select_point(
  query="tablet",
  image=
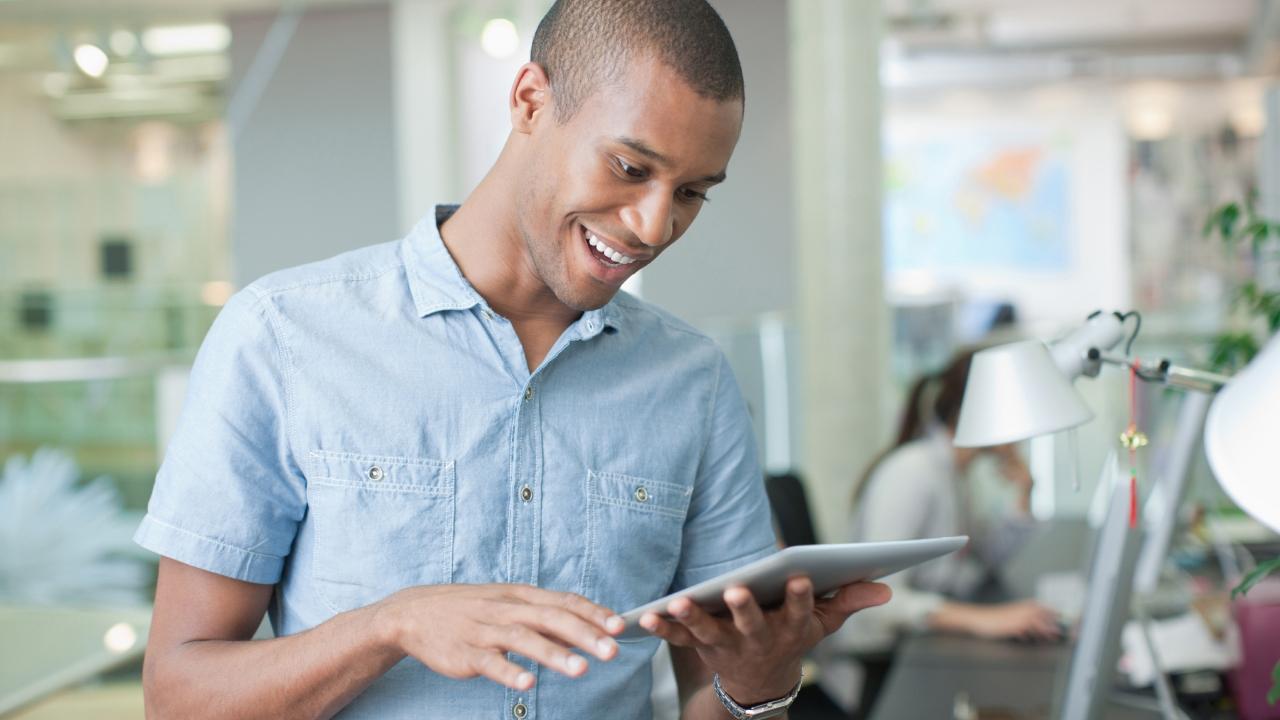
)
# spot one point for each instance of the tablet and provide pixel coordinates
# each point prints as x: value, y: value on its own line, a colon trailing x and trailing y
x: 828, y: 566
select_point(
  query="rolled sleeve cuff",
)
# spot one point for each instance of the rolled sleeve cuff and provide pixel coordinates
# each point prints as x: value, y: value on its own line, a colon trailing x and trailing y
x: 206, y: 553
x: 693, y: 576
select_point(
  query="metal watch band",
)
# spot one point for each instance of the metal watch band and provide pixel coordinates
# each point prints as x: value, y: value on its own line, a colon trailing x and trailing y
x: 771, y: 709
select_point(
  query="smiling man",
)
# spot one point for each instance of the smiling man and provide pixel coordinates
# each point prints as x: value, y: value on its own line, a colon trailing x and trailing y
x: 443, y: 465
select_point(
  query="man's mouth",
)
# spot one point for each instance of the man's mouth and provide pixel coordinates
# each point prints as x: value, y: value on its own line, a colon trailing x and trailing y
x: 609, y: 256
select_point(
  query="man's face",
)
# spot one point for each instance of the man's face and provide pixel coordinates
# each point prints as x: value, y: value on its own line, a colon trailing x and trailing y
x: 612, y: 188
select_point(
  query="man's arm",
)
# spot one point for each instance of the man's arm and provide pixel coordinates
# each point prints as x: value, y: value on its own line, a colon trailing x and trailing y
x: 201, y: 663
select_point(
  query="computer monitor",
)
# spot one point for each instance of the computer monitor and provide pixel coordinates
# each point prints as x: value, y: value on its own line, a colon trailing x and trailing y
x: 1160, y: 513
x: 1084, y: 690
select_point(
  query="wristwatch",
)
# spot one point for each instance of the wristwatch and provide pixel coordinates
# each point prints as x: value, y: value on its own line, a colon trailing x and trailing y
x: 771, y: 709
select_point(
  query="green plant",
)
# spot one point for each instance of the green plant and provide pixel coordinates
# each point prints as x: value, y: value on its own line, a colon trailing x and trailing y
x: 1237, y: 224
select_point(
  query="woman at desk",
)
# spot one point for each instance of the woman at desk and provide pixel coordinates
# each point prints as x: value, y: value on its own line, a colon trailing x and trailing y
x: 920, y: 488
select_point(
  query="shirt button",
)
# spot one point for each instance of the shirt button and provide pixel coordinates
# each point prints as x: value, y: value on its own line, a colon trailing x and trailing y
x: 375, y: 473
x: 642, y: 495
x: 489, y: 314
x: 526, y: 493
x: 528, y: 393
x: 519, y: 710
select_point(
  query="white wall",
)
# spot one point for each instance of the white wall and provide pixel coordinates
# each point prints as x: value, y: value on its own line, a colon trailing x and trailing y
x: 315, y: 165
x: 737, y: 260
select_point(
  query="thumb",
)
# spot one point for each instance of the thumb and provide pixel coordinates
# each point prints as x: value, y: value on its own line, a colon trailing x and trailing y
x: 833, y: 611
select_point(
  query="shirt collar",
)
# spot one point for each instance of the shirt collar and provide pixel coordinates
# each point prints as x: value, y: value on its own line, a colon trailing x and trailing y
x: 437, y: 284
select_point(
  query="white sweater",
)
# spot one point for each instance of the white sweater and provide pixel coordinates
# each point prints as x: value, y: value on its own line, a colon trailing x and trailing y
x: 916, y: 492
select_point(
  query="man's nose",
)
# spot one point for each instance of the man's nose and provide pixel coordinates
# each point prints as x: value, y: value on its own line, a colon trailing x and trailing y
x: 651, y: 219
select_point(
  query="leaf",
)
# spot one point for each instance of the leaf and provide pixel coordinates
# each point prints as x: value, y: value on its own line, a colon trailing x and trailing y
x: 1224, y: 221
x: 1259, y: 231
x: 1273, y: 695
x: 1233, y: 350
x: 1254, y: 576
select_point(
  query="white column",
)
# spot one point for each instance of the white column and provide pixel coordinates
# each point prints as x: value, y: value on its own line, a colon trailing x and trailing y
x: 422, y: 61
x: 841, y: 312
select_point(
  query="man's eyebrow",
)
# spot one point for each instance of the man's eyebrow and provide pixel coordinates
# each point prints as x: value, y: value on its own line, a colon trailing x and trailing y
x: 643, y: 148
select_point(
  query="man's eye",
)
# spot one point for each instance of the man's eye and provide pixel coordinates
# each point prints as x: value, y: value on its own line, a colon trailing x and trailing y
x: 693, y: 195
x: 630, y: 170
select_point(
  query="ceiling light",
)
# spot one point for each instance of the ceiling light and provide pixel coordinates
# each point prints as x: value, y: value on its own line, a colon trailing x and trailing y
x: 123, y: 43
x: 120, y: 638
x: 186, y: 39
x: 91, y: 60
x: 499, y: 39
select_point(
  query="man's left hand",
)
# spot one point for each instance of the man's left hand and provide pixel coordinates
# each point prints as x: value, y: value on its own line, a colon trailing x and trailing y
x: 758, y: 652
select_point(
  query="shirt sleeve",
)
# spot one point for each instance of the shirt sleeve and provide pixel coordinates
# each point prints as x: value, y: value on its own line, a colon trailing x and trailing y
x: 229, y: 495
x: 729, y: 524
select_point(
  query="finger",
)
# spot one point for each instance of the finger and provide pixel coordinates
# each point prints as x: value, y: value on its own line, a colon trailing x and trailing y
x: 574, y: 603
x: 673, y: 633
x: 747, y: 616
x: 704, y: 628
x: 833, y: 611
x: 799, y: 606
x: 565, y: 626
x: 496, y: 667
x: 523, y: 641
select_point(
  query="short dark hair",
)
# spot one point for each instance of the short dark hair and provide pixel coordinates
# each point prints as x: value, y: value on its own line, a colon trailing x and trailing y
x: 583, y: 44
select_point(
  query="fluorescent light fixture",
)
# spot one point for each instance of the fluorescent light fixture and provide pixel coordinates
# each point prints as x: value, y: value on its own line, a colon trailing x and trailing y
x: 91, y: 60
x: 500, y: 39
x: 186, y: 39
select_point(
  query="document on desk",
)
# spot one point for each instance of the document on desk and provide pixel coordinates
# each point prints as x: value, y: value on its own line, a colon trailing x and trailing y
x: 1183, y: 643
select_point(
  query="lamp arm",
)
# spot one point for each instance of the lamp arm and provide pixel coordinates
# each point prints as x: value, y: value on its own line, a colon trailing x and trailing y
x: 1165, y: 372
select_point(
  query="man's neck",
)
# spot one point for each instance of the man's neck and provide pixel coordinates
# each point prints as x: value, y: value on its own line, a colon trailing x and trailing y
x: 484, y: 238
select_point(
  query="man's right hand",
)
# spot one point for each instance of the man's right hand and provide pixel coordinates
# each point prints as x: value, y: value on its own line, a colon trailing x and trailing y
x: 465, y: 631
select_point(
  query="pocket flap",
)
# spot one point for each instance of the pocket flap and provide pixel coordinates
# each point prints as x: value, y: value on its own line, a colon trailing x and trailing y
x: 382, y: 472
x: 638, y: 494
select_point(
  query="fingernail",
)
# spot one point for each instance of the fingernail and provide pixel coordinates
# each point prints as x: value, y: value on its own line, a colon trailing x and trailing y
x: 576, y: 664
x: 649, y: 622
x: 682, y: 612
x: 524, y: 680
x: 615, y: 624
x: 605, y: 646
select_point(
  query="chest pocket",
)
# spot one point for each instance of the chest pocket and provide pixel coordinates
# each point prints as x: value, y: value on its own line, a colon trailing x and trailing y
x: 380, y: 524
x: 634, y: 532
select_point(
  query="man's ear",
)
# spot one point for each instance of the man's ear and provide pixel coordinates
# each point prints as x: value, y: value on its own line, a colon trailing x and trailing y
x: 530, y: 97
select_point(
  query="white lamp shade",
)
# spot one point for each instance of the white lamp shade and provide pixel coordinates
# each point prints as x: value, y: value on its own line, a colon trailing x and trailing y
x: 1242, y: 437
x: 1015, y: 392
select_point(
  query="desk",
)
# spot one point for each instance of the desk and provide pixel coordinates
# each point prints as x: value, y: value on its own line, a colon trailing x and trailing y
x: 931, y: 670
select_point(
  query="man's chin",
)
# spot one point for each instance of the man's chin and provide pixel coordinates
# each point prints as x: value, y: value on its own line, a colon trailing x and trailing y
x: 587, y: 300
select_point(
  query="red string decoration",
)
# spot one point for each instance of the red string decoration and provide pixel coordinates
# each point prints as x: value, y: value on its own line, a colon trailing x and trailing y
x: 1132, y: 439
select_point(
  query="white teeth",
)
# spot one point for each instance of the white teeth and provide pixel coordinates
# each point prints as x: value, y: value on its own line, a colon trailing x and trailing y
x: 607, y: 251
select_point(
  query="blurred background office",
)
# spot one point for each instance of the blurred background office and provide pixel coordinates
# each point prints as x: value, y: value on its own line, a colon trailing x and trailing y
x: 914, y: 177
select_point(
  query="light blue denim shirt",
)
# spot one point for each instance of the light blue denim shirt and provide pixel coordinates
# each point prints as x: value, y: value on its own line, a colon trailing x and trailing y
x: 367, y: 423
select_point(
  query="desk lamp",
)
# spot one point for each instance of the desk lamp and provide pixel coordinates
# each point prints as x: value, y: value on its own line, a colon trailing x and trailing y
x: 1242, y: 437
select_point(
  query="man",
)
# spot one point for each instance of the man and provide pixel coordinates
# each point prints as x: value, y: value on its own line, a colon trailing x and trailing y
x: 443, y: 465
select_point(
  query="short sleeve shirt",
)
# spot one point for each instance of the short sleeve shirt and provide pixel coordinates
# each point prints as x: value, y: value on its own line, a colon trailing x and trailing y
x: 368, y: 423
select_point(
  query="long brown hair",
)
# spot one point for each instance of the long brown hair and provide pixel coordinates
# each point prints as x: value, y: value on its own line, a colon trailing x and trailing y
x: 945, y: 391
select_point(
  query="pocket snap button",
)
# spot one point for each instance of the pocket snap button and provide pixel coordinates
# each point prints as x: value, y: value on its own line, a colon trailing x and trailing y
x: 642, y: 495
x: 519, y: 710
x: 526, y: 493
x: 376, y: 474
